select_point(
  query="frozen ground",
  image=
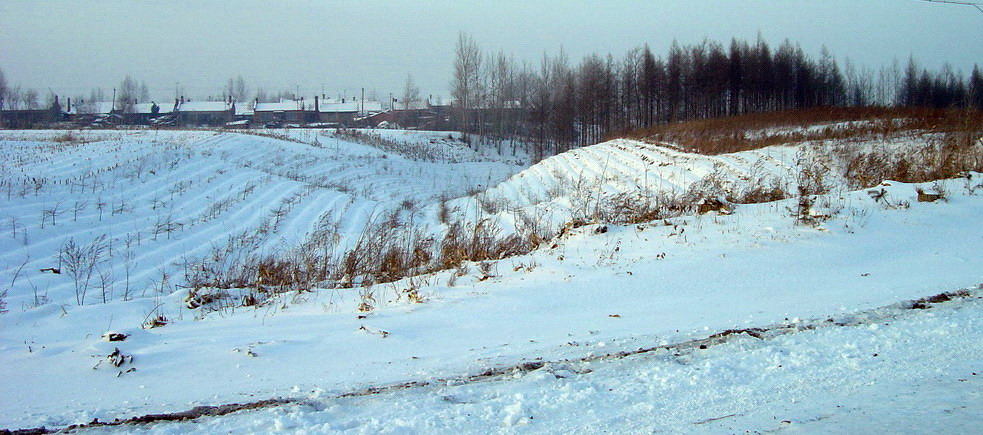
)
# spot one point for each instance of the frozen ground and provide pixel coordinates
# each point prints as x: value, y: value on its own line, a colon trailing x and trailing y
x: 595, y: 290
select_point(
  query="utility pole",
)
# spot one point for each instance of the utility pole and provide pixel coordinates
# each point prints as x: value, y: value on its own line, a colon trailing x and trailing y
x: 975, y: 5
x: 114, y: 100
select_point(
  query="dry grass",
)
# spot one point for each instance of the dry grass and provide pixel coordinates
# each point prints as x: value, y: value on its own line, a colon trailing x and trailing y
x: 69, y: 137
x: 388, y: 250
x: 411, y: 150
x: 942, y: 157
x: 747, y: 132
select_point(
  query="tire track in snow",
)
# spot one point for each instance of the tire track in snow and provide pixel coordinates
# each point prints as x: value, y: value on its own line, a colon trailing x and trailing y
x: 507, y: 373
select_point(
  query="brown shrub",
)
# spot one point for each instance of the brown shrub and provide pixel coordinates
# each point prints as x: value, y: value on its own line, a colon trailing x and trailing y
x: 945, y: 157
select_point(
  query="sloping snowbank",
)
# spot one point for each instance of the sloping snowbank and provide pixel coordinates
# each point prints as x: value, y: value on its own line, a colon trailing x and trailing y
x: 581, y: 183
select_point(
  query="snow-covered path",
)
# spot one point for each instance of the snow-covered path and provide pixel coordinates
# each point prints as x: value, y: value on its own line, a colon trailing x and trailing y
x: 897, y: 370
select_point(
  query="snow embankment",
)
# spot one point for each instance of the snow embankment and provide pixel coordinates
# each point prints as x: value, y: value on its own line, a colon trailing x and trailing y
x: 598, y: 183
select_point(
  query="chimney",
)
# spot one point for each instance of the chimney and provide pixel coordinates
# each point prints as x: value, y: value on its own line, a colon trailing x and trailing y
x: 176, y: 102
x: 182, y: 99
x: 230, y: 99
x: 68, y: 107
x: 317, y: 106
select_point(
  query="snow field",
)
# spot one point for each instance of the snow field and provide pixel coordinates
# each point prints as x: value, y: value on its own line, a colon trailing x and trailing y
x: 594, y: 290
x: 164, y: 198
x: 914, y: 371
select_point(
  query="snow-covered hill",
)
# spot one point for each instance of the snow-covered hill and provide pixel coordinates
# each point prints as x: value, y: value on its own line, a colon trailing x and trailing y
x: 594, y: 183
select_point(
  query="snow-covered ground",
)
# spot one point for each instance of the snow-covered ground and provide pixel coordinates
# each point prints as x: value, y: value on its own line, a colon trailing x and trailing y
x: 895, y: 371
x: 597, y: 289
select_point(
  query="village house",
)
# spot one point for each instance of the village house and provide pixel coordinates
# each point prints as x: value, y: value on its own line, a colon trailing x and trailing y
x: 278, y: 114
x: 205, y: 113
x: 245, y: 111
x: 316, y: 112
x: 338, y: 113
x: 34, y: 117
x: 146, y: 113
x: 419, y: 115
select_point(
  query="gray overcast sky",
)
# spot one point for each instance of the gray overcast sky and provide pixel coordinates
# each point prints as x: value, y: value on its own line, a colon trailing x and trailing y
x: 72, y: 46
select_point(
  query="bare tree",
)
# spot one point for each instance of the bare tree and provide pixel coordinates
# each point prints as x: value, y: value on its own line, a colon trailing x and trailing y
x: 240, y: 90
x: 51, y: 212
x: 629, y: 102
x: 30, y: 99
x: 975, y: 90
x: 100, y: 205
x: 467, y: 67
x: 13, y: 222
x: 106, y: 283
x: 411, y: 93
x: 80, y: 263
x: 89, y: 106
x: 77, y: 207
x: 128, y: 265
x: 49, y: 100
x: 129, y: 92
x: 3, y: 95
x: 16, y: 97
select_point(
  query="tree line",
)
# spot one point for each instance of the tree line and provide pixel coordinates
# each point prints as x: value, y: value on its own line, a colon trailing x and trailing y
x: 556, y: 105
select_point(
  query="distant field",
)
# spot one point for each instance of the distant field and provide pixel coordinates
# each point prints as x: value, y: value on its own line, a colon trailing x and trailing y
x: 153, y: 202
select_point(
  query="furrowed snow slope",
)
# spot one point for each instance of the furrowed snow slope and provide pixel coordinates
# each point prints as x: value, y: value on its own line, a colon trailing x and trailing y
x: 160, y: 199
